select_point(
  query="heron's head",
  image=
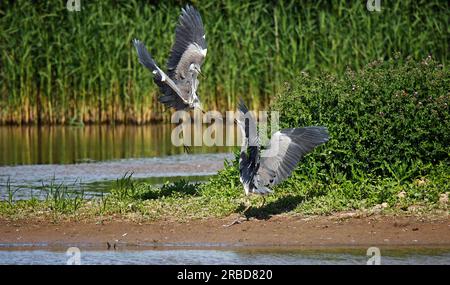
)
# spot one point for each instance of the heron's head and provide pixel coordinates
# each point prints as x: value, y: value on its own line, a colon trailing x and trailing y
x: 195, y: 67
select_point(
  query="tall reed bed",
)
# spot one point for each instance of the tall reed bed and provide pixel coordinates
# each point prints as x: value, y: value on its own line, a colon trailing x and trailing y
x: 62, y: 67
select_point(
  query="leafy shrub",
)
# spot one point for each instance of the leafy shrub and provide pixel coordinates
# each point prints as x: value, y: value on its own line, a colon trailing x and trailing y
x: 391, y: 118
x: 176, y: 189
x: 226, y: 183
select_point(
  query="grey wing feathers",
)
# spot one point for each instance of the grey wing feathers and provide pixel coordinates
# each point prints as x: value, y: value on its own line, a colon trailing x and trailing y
x: 171, y: 95
x: 286, y: 149
x: 189, y: 37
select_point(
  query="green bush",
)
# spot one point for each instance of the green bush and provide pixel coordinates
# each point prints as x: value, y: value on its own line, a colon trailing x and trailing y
x: 226, y: 183
x: 176, y: 189
x: 391, y: 118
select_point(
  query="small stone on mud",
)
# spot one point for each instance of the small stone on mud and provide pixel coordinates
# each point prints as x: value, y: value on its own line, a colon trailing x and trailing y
x: 413, y: 208
x: 380, y: 207
x: 443, y: 199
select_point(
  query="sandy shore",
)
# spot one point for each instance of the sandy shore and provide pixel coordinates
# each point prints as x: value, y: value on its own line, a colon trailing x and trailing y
x: 339, y: 230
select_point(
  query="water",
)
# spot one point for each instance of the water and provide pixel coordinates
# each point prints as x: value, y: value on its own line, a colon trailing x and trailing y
x: 226, y: 256
x: 93, y: 157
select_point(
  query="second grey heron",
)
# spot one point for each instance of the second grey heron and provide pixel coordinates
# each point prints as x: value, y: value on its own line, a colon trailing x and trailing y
x: 262, y: 169
x: 179, y: 85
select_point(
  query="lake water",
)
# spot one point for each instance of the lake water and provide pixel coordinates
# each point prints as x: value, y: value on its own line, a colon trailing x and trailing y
x: 92, y: 157
x: 226, y: 256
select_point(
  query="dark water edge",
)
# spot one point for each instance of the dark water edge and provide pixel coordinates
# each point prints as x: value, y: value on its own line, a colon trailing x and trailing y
x: 222, y: 255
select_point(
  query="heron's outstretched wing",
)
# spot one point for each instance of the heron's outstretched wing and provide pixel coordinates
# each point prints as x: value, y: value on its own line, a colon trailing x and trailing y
x: 172, y: 96
x: 286, y: 149
x: 190, y: 44
x: 249, y: 160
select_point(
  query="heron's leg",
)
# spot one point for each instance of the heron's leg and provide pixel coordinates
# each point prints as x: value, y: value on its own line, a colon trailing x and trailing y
x: 242, y: 214
x: 264, y: 201
x: 245, y: 211
x: 187, y: 149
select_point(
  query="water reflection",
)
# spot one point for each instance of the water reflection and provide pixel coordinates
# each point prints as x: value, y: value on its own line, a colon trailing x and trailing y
x: 67, y: 145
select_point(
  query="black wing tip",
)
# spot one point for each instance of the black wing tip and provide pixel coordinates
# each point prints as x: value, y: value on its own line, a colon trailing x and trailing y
x: 242, y: 107
x: 137, y: 43
x: 318, y: 134
x: 146, y: 59
x: 191, y: 17
x: 139, y: 46
x: 189, y: 9
x: 321, y: 132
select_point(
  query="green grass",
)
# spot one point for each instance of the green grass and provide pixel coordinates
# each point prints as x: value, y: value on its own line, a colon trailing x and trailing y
x: 223, y: 195
x: 80, y: 67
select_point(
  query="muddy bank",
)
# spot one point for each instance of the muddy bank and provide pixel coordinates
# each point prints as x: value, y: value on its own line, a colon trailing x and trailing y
x: 344, y: 229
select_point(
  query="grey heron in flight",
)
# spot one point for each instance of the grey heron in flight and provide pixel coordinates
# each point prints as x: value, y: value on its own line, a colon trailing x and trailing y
x: 262, y: 169
x: 179, y: 85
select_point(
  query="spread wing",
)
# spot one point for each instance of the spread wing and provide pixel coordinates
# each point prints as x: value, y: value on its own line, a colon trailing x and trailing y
x: 285, y: 150
x: 190, y: 44
x: 172, y: 95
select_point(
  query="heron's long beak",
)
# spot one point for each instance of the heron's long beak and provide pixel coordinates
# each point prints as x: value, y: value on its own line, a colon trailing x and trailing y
x: 201, y: 109
x: 203, y: 76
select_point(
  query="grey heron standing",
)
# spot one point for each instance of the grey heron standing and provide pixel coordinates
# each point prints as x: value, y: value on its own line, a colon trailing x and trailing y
x: 259, y: 170
x: 179, y: 85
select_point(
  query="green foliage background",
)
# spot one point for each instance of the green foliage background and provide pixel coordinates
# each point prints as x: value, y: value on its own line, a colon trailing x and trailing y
x: 391, y: 116
x: 58, y: 66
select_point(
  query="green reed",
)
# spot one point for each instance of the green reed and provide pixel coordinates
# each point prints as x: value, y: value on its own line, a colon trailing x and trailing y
x: 64, y: 67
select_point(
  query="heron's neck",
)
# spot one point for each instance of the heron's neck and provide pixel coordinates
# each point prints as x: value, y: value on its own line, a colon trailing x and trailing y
x: 244, y: 145
x: 194, y: 83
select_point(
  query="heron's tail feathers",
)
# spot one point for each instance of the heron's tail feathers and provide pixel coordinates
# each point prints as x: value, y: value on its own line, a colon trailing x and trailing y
x: 262, y: 190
